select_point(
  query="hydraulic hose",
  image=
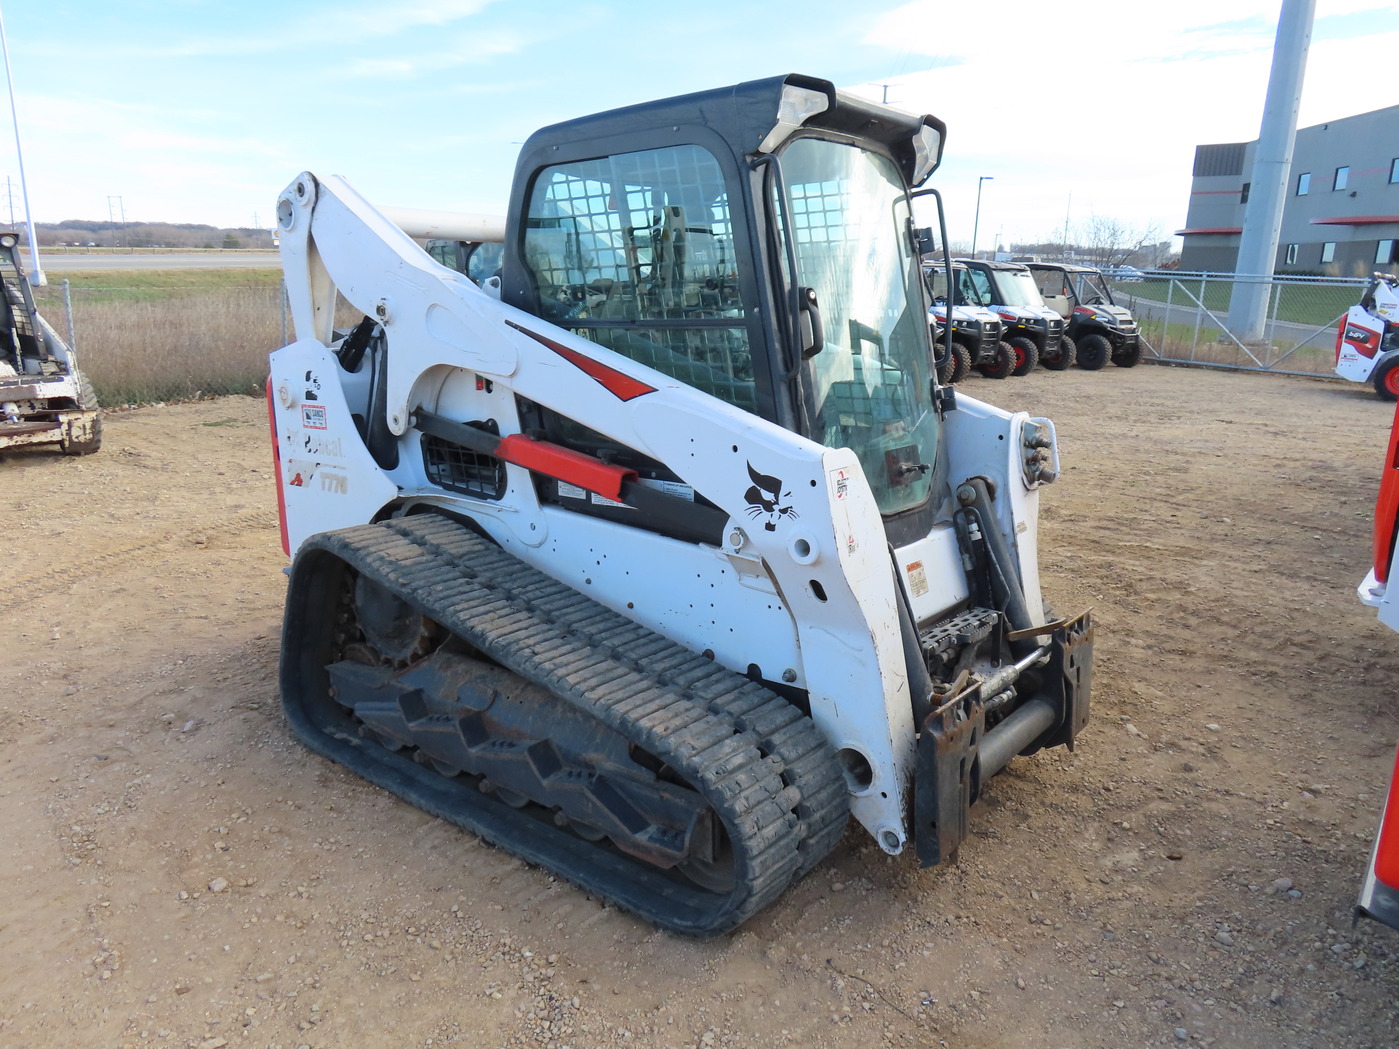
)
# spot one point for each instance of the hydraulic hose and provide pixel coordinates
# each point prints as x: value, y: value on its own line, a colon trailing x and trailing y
x: 1006, y: 587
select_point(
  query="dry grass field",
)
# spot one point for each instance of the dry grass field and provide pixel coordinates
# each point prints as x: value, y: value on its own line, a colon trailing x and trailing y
x: 149, y: 336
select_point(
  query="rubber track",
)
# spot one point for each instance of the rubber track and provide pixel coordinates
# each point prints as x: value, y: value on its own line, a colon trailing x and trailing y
x: 759, y: 762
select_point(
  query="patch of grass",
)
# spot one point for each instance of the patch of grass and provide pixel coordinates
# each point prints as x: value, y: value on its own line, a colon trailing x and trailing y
x: 146, y: 336
x: 154, y: 285
x: 1315, y: 304
x: 1182, y: 342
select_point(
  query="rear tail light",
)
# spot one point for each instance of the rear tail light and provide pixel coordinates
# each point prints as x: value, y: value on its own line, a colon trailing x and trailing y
x: 1387, y: 507
x: 277, y: 471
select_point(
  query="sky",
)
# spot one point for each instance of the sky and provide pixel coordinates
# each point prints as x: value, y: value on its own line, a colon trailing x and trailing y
x: 202, y: 111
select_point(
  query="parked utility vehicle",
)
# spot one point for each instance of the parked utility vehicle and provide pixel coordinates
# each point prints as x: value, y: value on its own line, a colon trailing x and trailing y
x: 978, y: 334
x: 1034, y: 331
x: 1100, y: 329
x: 479, y: 260
x: 655, y: 558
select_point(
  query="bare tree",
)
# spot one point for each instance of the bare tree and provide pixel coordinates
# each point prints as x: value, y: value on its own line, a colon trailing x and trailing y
x: 1109, y: 243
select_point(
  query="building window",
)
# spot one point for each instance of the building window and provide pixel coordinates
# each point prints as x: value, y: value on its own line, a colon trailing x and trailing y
x: 1384, y: 254
x: 1342, y: 178
x: 1291, y: 255
x: 1328, y: 251
x: 1243, y: 193
x: 1394, y: 170
x: 1304, y: 183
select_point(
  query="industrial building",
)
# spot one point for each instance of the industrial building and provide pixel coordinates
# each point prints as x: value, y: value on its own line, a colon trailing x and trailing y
x: 1341, y: 214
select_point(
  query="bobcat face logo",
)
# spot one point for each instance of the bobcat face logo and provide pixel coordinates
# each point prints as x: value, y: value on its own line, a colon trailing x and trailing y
x: 764, y: 498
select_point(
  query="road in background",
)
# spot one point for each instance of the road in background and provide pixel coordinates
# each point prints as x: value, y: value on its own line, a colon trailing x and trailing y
x: 59, y: 264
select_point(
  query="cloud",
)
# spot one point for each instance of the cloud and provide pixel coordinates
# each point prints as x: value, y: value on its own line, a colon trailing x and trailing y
x: 466, y: 52
x: 1113, y: 133
x: 253, y: 29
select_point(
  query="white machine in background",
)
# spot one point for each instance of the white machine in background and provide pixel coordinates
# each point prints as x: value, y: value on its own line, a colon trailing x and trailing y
x: 1367, y: 346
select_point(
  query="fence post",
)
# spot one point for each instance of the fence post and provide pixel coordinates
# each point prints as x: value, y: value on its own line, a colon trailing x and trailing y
x: 1199, y: 313
x: 1271, y: 330
x: 68, y: 313
x: 1165, y: 334
x: 284, y: 311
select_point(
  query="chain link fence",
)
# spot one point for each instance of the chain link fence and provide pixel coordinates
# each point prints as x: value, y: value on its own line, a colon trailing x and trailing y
x: 141, y: 344
x: 1184, y: 320
x: 145, y: 343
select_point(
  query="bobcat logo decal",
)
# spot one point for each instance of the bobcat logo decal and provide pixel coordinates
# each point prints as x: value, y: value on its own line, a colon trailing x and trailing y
x: 764, y: 498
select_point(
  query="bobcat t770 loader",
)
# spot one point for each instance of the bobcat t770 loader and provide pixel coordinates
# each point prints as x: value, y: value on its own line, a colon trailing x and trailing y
x: 661, y: 553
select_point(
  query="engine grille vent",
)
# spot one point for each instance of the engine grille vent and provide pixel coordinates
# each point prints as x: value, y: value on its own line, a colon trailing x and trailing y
x: 459, y: 469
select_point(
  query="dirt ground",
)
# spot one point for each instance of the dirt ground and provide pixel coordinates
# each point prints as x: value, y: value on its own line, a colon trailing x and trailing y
x: 178, y: 872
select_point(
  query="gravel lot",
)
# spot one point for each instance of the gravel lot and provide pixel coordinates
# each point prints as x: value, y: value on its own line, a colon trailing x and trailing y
x: 180, y: 873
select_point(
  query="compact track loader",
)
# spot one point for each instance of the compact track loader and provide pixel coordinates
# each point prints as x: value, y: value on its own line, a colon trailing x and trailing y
x: 44, y: 398
x: 661, y: 553
x: 1367, y: 339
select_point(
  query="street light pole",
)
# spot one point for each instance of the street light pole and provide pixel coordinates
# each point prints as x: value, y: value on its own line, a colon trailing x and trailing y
x: 976, y: 222
x: 36, y: 274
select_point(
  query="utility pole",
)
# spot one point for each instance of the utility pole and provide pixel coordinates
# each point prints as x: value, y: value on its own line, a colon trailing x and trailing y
x: 1068, y: 209
x: 1272, y: 167
x: 976, y: 222
x: 113, y: 210
x: 36, y: 273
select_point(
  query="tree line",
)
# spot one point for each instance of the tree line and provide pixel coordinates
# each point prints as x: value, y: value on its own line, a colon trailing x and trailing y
x: 107, y: 234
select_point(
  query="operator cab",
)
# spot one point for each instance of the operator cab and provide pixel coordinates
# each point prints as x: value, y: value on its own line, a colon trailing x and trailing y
x: 755, y: 243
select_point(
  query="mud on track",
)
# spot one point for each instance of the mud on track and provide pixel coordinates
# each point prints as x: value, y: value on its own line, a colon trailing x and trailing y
x: 1244, y: 720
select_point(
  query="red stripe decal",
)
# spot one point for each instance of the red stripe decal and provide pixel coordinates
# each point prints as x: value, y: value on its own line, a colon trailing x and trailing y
x: 565, y: 464
x: 621, y: 386
x: 1387, y: 848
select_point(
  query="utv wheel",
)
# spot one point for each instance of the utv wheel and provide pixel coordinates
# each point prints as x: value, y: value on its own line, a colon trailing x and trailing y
x: 1386, y: 380
x: 939, y: 350
x: 87, y: 400
x: 955, y: 368
x: 1063, y: 357
x: 1027, y: 354
x: 1001, y: 364
x: 1094, y: 351
x: 1129, y: 357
